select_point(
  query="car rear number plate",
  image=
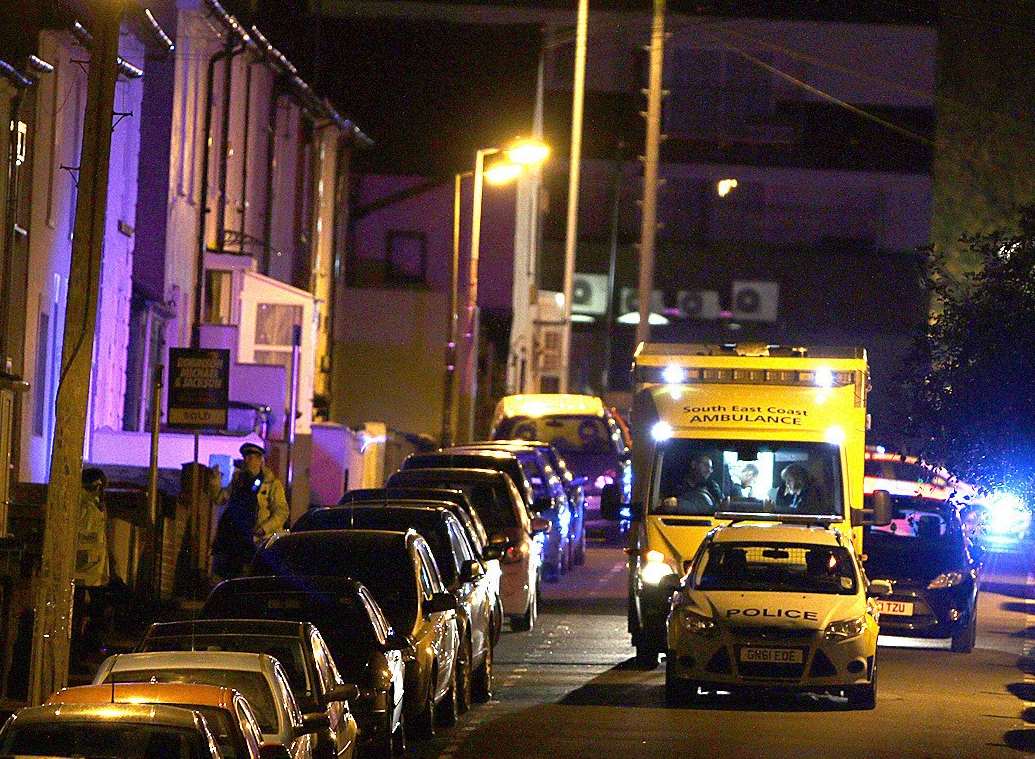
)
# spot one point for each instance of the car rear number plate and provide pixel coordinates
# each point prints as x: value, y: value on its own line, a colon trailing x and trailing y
x: 895, y: 608
x: 772, y: 655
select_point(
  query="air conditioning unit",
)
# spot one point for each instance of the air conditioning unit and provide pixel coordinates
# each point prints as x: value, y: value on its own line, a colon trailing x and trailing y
x: 698, y: 304
x: 589, y: 294
x: 755, y: 300
x: 629, y: 301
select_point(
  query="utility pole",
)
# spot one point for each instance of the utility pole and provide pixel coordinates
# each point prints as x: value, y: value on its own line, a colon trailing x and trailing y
x: 53, y: 625
x: 449, y: 387
x: 575, y: 163
x: 649, y: 227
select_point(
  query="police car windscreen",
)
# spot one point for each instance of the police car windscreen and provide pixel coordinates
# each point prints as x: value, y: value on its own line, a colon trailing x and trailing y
x: 700, y: 477
x: 776, y: 568
x: 568, y: 433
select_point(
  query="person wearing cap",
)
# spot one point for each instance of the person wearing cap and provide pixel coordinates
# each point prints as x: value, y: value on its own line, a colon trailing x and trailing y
x: 255, y: 508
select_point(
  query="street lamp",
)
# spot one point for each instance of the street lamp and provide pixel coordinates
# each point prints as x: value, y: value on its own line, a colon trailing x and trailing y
x: 518, y: 156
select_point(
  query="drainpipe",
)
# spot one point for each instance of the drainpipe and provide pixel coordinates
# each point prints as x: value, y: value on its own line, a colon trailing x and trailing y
x: 244, y: 149
x: 11, y: 210
x: 271, y: 161
x: 224, y: 147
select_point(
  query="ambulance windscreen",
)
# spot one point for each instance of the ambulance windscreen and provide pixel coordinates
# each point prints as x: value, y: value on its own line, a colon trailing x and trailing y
x: 702, y: 477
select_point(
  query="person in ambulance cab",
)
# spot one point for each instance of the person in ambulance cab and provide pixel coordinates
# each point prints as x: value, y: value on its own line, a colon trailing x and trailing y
x: 799, y: 494
x: 699, y: 493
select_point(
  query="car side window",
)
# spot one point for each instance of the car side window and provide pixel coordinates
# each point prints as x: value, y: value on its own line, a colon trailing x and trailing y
x: 377, y: 618
x: 283, y: 692
x: 518, y: 504
x: 430, y: 578
x: 461, y: 544
x: 329, y: 676
x: 249, y: 723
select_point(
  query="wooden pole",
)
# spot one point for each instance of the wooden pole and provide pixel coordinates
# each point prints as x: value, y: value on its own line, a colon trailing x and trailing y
x: 53, y: 625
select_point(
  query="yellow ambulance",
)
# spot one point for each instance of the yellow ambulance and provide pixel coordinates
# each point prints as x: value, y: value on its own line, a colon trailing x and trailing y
x: 724, y: 431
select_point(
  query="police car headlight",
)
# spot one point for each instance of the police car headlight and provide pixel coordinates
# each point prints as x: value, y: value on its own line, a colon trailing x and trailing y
x: 846, y: 629
x: 946, y: 580
x: 695, y: 623
x: 655, y: 569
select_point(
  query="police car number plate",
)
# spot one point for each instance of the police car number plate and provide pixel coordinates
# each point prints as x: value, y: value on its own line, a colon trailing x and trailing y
x: 895, y: 608
x: 772, y: 655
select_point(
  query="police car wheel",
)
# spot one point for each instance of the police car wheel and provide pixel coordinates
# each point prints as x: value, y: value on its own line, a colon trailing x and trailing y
x: 963, y: 641
x: 862, y: 696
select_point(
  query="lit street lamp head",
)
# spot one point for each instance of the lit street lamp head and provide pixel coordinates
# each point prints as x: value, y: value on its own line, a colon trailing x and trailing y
x: 503, y: 172
x: 527, y: 152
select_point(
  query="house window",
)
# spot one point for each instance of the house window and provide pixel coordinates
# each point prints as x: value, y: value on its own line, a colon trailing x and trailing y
x: 275, y: 324
x: 39, y: 394
x: 406, y: 256
x: 218, y: 286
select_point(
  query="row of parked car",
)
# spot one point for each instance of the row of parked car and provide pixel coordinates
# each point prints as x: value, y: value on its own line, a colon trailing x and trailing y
x: 367, y: 624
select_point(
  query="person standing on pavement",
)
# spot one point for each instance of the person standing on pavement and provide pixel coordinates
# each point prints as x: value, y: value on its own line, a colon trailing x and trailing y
x: 255, y: 508
x: 92, y: 566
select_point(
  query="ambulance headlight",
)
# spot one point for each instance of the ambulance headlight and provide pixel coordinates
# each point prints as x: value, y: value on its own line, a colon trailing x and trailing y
x: 661, y: 431
x: 655, y: 569
x: 696, y: 624
x: 673, y: 375
x: 846, y: 629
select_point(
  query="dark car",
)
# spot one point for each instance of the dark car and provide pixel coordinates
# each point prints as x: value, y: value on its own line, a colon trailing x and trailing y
x: 359, y: 636
x: 925, y: 555
x: 462, y: 572
x: 501, y: 461
x: 502, y: 510
x: 460, y: 507
x: 574, y: 488
x: 401, y: 573
x: 300, y: 648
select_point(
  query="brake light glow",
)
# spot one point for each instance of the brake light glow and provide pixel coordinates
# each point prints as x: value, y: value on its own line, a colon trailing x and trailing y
x: 514, y: 554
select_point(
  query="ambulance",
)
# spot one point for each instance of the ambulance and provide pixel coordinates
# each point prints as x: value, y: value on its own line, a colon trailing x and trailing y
x: 738, y: 429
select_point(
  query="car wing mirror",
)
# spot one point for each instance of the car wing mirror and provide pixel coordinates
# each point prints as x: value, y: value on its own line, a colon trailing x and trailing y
x: 879, y: 588
x: 492, y: 552
x: 439, y: 602
x: 540, y: 525
x: 313, y: 723
x: 471, y: 571
x: 344, y: 692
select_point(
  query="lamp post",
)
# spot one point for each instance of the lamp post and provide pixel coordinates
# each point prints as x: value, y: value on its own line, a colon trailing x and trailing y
x: 518, y: 156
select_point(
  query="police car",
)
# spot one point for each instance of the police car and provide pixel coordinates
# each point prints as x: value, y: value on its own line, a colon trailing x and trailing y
x: 782, y: 605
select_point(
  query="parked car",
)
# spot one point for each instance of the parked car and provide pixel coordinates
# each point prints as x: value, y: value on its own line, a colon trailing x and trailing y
x: 500, y: 506
x: 501, y: 461
x: 584, y: 431
x: 298, y: 646
x: 400, y: 571
x: 461, y: 570
x: 358, y: 634
x: 128, y: 731
x: 461, y: 508
x: 574, y: 486
x: 926, y: 557
x: 228, y: 713
x: 258, y: 677
x: 563, y: 507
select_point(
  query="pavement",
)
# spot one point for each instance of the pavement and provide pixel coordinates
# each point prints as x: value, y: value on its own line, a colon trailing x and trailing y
x: 571, y: 688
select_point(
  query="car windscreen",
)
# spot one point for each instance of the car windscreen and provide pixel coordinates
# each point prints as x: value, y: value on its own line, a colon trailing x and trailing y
x: 775, y: 568
x: 700, y: 477
x: 389, y: 577
x: 428, y: 525
x: 921, y: 534
x: 494, y: 509
x: 288, y: 651
x: 568, y: 433
x: 251, y: 684
x: 530, y: 465
x: 108, y: 739
x: 341, y: 618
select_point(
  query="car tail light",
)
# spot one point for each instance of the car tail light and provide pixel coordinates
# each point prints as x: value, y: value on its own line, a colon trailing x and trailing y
x: 515, y: 554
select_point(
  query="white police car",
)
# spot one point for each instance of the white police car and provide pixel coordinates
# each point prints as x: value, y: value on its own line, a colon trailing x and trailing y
x: 774, y: 606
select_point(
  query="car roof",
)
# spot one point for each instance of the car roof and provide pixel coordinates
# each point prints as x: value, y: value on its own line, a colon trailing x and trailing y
x: 266, y: 627
x: 414, y: 515
x: 154, y: 714
x: 403, y: 492
x: 171, y: 694
x: 228, y: 660
x: 550, y: 404
x: 372, y: 541
x: 449, y: 474
x: 462, y: 451
x: 289, y: 584
x: 776, y: 533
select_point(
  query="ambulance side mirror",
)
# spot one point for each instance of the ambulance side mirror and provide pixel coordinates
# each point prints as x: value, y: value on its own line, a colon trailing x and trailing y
x: 880, y: 512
